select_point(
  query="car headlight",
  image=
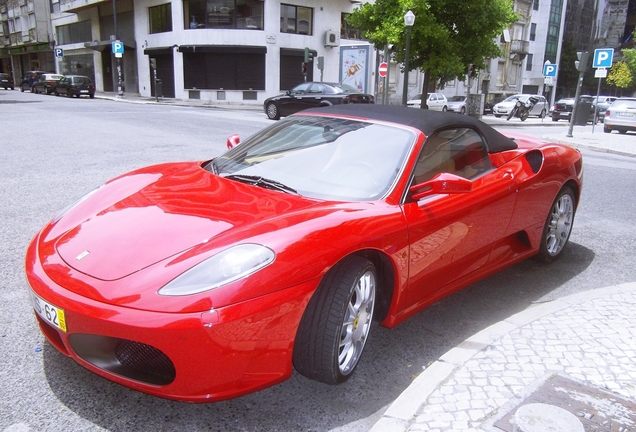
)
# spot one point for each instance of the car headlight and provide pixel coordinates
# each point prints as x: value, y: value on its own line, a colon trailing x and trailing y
x: 69, y: 207
x: 221, y: 269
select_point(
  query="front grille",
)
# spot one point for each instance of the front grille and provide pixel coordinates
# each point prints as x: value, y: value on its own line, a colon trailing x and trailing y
x: 127, y: 358
x: 146, y: 359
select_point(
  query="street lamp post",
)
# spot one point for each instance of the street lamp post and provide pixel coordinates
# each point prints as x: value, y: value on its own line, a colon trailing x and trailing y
x: 409, y: 19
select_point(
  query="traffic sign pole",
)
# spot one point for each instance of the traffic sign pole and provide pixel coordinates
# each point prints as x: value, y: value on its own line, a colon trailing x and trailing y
x: 602, y: 60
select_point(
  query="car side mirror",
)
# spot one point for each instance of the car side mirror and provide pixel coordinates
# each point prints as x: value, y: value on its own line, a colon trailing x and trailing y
x: 443, y: 183
x: 233, y: 141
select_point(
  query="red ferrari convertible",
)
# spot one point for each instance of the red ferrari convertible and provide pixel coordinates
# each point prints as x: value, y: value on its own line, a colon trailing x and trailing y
x: 203, y: 281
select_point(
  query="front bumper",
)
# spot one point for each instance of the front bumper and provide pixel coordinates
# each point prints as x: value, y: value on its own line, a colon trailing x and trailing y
x: 501, y: 111
x: 196, y: 357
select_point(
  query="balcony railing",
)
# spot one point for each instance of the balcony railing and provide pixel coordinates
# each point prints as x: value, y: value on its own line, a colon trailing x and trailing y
x: 519, y: 47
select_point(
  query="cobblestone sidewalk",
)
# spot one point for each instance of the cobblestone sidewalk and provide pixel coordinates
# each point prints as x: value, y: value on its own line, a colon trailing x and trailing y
x: 589, y: 337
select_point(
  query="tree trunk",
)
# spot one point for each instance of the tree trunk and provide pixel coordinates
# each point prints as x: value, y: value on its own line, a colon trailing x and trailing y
x: 424, y: 97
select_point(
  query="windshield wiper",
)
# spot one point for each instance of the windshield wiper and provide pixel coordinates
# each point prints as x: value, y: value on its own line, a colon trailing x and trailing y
x: 262, y: 182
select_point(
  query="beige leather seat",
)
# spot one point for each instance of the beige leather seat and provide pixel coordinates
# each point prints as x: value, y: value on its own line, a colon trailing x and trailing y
x: 436, y: 158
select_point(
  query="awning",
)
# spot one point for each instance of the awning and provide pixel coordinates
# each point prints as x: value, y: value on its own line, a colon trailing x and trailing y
x: 102, y: 45
x: 229, y: 49
x: 159, y: 50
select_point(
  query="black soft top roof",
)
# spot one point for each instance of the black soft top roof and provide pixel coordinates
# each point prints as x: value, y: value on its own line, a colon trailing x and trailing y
x: 425, y: 120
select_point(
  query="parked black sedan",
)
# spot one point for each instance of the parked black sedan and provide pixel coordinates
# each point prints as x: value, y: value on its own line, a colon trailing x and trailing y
x: 6, y: 81
x: 563, y: 108
x: 46, y: 83
x: 311, y: 95
x: 75, y: 85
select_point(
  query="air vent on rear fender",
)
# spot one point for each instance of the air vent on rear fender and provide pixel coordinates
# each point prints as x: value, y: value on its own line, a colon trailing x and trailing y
x: 535, y: 160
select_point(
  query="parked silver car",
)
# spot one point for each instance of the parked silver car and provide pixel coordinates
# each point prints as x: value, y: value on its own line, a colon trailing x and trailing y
x: 457, y: 104
x: 435, y: 102
x: 621, y: 116
x: 540, y: 109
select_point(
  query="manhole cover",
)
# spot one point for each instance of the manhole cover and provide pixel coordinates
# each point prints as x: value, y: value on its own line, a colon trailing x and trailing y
x: 598, y: 410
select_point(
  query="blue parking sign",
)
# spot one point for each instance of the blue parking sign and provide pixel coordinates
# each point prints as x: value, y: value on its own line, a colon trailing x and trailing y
x: 118, y: 47
x: 550, y: 70
x: 603, y: 58
x: 59, y: 52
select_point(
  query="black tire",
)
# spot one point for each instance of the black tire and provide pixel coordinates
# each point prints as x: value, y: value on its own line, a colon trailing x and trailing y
x: 555, y: 119
x: 272, y: 111
x: 22, y: 89
x: 606, y: 129
x: 444, y: 108
x: 558, y: 226
x: 497, y: 116
x: 512, y: 113
x: 336, y: 324
x: 622, y: 131
x: 524, y: 115
x: 92, y: 95
x: 462, y: 111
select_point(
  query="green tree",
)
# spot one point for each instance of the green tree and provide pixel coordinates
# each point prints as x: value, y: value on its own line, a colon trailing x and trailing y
x: 447, y: 37
x: 623, y: 73
x: 620, y: 75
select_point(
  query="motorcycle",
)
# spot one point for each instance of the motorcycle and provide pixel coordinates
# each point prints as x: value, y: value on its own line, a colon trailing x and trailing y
x: 522, y: 109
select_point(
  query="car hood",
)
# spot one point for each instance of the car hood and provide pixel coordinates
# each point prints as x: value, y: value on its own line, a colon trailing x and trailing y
x: 140, y: 219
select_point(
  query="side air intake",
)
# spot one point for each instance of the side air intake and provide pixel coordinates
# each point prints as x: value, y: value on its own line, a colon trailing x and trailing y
x: 535, y: 160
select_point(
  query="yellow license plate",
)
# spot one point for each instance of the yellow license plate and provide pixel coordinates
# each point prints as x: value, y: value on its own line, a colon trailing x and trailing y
x: 48, y: 312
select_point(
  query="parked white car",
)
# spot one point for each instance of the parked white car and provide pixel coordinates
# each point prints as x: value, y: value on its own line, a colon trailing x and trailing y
x: 435, y: 101
x: 503, y: 108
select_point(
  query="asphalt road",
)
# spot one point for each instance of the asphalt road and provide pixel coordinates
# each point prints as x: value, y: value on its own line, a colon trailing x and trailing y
x: 56, y: 149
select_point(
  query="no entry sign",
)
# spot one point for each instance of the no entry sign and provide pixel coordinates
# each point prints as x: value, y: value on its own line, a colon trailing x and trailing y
x: 382, y: 69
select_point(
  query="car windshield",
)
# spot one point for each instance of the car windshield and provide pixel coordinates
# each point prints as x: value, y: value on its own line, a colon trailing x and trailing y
x: 513, y: 98
x: 321, y: 157
x: 457, y: 98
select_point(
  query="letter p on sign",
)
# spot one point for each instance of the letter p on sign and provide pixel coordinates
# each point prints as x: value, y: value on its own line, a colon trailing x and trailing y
x: 603, y: 58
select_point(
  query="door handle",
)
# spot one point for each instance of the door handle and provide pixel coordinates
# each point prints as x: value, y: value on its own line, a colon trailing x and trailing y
x: 508, y: 175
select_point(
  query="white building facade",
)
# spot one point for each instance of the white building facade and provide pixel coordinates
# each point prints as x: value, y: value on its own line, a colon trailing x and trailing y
x: 232, y: 51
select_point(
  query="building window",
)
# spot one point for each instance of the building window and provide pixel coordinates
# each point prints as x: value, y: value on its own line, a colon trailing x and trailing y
x: 223, y: 68
x: 346, y: 30
x: 535, y: 5
x: 160, y: 18
x: 529, y: 62
x: 223, y: 14
x: 78, y: 65
x: 533, y: 31
x: 554, y: 26
x: 74, y: 33
x: 296, y: 19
